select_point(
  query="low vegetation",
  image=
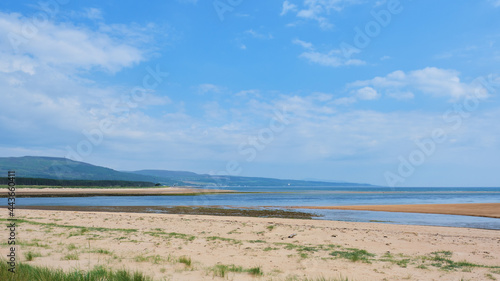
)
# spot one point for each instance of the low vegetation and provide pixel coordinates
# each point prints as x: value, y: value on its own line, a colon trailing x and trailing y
x: 71, y: 257
x: 353, y: 255
x: 98, y: 229
x: 230, y: 240
x: 185, y: 260
x: 220, y: 270
x: 31, y: 255
x: 25, y: 272
x: 177, y: 235
x: 185, y: 210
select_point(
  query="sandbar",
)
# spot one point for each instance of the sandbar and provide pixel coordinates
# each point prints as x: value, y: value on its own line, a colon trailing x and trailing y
x: 491, y: 210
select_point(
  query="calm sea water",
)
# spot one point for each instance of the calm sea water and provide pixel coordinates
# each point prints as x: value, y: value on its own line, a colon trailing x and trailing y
x: 281, y: 197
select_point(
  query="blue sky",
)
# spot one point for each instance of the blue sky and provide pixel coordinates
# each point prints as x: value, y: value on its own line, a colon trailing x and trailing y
x: 399, y: 93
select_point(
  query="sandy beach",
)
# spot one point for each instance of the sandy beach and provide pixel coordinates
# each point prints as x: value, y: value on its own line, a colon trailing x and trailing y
x: 195, y: 247
x: 491, y: 210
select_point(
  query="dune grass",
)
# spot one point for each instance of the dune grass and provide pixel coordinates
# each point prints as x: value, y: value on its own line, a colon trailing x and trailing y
x: 26, y: 272
x: 31, y: 255
x: 220, y: 270
x: 185, y: 260
x: 353, y: 255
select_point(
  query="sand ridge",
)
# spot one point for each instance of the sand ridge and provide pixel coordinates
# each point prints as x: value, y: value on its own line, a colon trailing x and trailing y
x: 491, y: 210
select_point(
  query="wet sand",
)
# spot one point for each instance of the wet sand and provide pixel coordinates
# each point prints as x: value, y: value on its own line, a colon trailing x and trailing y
x: 491, y: 210
x: 182, y: 210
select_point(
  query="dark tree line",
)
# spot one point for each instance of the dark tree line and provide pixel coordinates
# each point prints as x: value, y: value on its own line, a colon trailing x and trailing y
x: 99, y: 183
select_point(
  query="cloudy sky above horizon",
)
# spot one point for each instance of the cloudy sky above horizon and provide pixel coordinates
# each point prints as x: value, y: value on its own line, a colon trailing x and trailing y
x: 400, y: 93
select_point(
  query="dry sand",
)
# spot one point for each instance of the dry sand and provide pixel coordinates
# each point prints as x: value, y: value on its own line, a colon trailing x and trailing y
x: 491, y: 210
x: 156, y: 241
x: 65, y: 191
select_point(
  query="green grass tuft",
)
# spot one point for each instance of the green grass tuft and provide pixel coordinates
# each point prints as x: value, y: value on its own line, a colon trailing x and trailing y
x: 185, y: 260
x: 31, y: 255
x: 353, y: 255
x: 70, y: 257
x: 255, y: 271
x: 231, y: 240
x: 221, y: 269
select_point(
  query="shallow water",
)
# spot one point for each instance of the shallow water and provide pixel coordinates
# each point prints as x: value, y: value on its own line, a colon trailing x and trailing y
x: 320, y: 196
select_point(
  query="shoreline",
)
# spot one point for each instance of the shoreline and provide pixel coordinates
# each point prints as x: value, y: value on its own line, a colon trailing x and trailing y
x: 86, y: 192
x: 180, y: 210
x: 489, y: 210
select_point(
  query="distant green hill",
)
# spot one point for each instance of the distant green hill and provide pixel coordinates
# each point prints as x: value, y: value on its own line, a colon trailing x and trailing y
x: 190, y: 178
x: 65, y: 169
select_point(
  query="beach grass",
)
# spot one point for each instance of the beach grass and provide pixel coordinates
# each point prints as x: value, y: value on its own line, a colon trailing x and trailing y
x: 185, y: 260
x: 32, y: 255
x: 353, y: 255
x: 26, y: 272
x: 221, y: 270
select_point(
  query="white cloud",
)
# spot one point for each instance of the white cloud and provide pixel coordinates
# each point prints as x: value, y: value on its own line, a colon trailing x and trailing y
x: 318, y: 10
x: 496, y: 3
x: 246, y: 93
x: 431, y: 80
x: 401, y: 95
x: 214, y: 111
x: 367, y: 93
x: 258, y: 35
x: 209, y: 88
x: 344, y: 101
x: 12, y: 63
x: 94, y: 13
x: 332, y: 58
x: 321, y: 97
x: 43, y: 89
x: 67, y: 45
x: 288, y: 7
x: 304, y: 44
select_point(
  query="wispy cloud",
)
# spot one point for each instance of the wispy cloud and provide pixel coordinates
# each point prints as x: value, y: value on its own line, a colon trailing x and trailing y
x: 304, y: 44
x: 288, y: 7
x: 258, y: 35
x: 45, y: 74
x: 432, y: 81
x: 66, y: 45
x: 496, y: 3
x: 332, y: 58
x: 317, y: 10
x: 94, y: 13
x: 367, y: 93
x: 209, y: 88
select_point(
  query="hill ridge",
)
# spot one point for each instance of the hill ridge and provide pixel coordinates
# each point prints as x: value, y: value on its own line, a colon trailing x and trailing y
x: 67, y: 169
